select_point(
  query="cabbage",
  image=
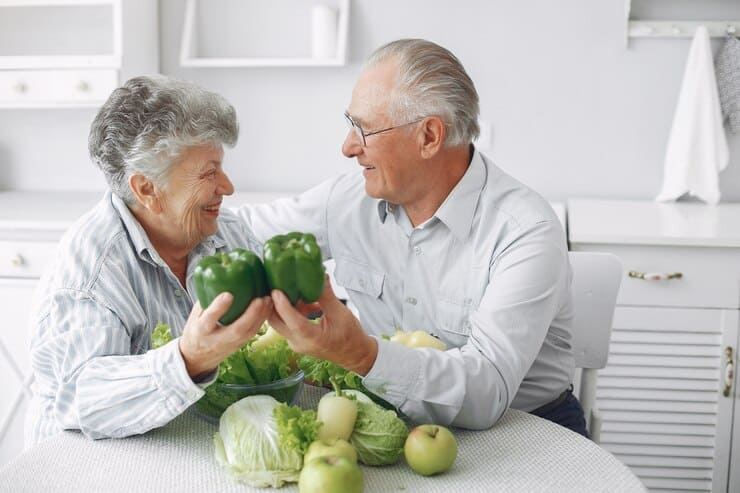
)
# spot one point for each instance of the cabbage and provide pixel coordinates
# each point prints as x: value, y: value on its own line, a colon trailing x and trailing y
x: 378, y: 436
x: 252, y: 446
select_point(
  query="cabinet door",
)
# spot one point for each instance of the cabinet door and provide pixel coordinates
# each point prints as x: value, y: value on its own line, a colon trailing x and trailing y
x: 734, y: 482
x: 661, y: 396
x: 15, y: 299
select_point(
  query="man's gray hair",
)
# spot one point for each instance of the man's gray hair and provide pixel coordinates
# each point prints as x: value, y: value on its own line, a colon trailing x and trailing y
x: 431, y: 81
x: 146, y: 124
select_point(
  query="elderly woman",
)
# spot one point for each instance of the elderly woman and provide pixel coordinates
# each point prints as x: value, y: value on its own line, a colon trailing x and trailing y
x: 127, y: 264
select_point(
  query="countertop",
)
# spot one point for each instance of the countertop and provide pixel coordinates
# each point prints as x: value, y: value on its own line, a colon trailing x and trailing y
x: 642, y: 222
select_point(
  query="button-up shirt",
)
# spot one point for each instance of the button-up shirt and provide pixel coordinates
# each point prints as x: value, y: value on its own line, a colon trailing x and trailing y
x: 96, y: 308
x: 488, y: 274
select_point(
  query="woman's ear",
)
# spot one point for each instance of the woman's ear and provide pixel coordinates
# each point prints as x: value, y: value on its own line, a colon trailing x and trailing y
x: 145, y: 192
x: 433, y: 133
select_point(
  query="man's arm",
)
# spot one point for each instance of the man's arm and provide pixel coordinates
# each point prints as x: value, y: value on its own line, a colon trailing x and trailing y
x: 472, y: 386
x: 305, y: 213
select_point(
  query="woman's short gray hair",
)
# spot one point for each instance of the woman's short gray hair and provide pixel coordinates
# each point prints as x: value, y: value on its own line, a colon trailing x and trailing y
x: 431, y: 81
x: 145, y: 125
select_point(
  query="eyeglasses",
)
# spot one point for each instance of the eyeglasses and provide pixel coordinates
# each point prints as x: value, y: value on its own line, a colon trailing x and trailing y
x: 362, y: 135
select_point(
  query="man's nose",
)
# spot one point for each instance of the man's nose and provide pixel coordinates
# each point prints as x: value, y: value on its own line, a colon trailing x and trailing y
x: 352, y: 146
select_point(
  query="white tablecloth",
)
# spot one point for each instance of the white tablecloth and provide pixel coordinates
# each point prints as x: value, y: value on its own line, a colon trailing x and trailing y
x: 520, y: 453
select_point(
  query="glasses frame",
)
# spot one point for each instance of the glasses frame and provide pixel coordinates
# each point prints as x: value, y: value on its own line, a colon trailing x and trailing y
x: 362, y: 135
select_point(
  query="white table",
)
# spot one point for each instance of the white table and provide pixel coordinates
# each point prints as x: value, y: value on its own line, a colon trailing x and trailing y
x: 521, y: 453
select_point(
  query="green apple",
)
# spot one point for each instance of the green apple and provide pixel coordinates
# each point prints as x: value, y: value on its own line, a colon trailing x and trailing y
x: 330, y: 474
x: 338, y: 447
x: 430, y: 449
x: 417, y: 338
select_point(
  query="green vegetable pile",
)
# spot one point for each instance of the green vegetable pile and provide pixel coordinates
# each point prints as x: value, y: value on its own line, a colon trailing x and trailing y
x: 244, y: 367
x: 262, y: 442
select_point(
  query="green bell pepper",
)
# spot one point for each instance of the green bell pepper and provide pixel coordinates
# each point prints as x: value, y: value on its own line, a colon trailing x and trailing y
x: 293, y: 265
x: 240, y: 272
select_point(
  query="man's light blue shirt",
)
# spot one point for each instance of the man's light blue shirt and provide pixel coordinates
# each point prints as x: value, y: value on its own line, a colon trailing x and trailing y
x: 488, y: 274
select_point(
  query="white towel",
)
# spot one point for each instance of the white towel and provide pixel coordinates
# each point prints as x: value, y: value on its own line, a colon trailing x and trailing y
x: 697, y: 147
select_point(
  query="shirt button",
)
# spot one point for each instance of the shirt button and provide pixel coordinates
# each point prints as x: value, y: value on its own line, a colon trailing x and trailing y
x: 193, y: 394
x: 178, y: 293
x: 417, y: 250
x: 362, y: 283
x: 411, y: 300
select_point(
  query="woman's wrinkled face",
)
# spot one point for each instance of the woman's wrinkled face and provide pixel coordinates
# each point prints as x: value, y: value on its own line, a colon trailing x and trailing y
x: 192, y: 197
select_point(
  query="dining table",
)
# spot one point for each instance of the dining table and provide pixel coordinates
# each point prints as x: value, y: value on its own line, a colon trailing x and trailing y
x: 520, y: 453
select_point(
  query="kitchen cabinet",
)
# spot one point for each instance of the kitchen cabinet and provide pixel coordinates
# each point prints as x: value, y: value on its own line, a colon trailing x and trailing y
x: 73, y: 53
x: 668, y: 392
x: 31, y: 223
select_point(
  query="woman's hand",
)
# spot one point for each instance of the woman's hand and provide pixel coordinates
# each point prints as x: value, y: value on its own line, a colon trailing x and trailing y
x: 204, y: 343
x: 338, y: 337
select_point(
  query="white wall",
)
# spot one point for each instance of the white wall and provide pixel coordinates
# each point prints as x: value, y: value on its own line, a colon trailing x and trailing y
x: 573, y: 112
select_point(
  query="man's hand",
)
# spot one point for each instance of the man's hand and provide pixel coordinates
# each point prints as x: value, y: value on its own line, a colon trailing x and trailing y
x: 338, y: 337
x: 204, y: 343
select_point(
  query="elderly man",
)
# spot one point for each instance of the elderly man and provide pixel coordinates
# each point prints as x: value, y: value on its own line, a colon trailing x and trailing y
x: 429, y: 234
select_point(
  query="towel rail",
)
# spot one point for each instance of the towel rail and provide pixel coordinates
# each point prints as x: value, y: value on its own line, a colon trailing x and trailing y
x: 680, y: 29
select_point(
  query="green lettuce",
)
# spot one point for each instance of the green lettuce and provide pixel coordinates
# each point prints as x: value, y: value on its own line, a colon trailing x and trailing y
x: 259, y: 440
x: 161, y: 335
x: 378, y: 436
x: 242, y: 367
x: 297, y: 428
x: 321, y: 373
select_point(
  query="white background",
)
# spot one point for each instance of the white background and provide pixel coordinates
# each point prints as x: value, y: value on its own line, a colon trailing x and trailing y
x: 572, y: 110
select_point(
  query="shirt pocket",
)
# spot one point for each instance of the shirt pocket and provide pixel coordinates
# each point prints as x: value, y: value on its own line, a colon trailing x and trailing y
x: 453, y: 316
x: 365, y: 287
x: 356, y: 277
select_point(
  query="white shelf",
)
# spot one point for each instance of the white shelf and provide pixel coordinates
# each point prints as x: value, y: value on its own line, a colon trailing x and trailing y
x: 50, y: 15
x: 189, y: 56
x: 680, y: 29
x: 70, y: 53
x: 672, y: 29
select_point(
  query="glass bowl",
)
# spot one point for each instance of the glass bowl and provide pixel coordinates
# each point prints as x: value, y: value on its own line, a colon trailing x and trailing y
x: 219, y: 396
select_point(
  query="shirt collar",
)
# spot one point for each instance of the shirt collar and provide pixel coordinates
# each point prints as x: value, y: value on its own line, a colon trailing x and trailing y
x: 384, y: 208
x: 458, y: 209
x: 140, y: 240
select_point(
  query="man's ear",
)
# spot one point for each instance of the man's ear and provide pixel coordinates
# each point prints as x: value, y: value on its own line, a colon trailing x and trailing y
x: 433, y: 134
x: 145, y: 192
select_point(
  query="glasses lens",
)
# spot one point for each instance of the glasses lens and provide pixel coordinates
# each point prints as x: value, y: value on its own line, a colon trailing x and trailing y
x: 356, y: 127
x: 360, y: 135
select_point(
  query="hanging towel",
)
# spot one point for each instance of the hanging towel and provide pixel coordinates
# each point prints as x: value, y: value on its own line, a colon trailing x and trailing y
x: 728, y: 82
x: 697, y: 147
